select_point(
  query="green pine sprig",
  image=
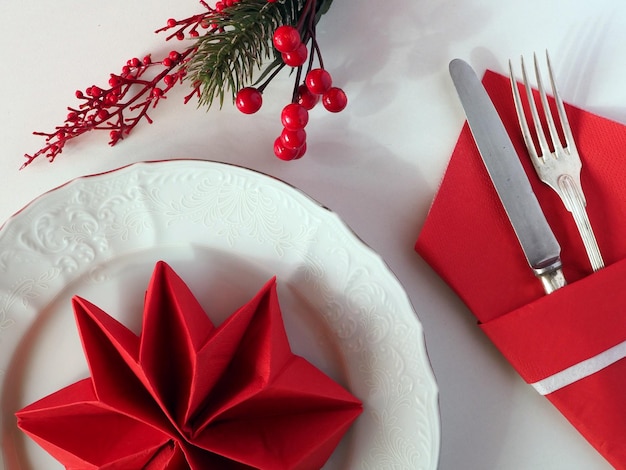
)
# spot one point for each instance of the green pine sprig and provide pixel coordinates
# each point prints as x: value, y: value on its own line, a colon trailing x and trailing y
x: 239, y: 50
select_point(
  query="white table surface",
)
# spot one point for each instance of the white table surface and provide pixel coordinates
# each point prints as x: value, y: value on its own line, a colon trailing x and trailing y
x: 377, y: 164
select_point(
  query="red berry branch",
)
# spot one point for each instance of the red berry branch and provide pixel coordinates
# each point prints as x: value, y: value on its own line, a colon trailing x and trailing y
x: 230, y: 42
x: 119, y: 107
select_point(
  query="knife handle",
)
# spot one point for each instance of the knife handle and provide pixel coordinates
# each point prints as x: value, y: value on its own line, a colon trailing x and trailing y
x: 551, y: 277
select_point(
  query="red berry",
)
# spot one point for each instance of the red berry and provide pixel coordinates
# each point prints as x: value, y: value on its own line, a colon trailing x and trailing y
x: 301, y: 151
x: 307, y: 99
x: 114, y: 80
x: 171, y: 22
x: 293, y: 138
x: 335, y: 100
x: 286, y: 38
x: 111, y: 98
x: 94, y: 91
x: 318, y: 81
x: 157, y: 92
x: 294, y: 116
x: 169, y: 80
x: 296, y: 58
x: 283, y: 152
x: 249, y: 100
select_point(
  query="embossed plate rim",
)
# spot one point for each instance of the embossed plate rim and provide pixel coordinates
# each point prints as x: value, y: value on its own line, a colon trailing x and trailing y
x: 373, y: 322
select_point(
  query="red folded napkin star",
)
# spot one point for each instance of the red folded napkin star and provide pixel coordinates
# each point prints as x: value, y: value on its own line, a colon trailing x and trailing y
x: 570, y: 345
x: 187, y: 394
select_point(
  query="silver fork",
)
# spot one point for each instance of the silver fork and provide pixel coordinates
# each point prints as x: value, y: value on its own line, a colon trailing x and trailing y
x: 559, y: 168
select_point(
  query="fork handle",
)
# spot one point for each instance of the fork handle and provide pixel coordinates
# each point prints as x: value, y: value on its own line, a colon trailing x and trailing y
x: 575, y: 203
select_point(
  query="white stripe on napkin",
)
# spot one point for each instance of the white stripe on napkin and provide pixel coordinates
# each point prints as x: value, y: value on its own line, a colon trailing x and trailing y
x: 581, y: 370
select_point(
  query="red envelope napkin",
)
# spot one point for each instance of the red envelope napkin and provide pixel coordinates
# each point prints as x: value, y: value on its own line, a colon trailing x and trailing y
x: 570, y: 345
x: 185, y: 394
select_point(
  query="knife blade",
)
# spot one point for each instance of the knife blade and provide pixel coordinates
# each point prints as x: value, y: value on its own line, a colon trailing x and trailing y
x: 535, y: 236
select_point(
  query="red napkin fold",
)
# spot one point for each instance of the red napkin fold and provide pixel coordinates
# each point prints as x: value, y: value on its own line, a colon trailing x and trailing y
x: 570, y: 345
x: 187, y: 394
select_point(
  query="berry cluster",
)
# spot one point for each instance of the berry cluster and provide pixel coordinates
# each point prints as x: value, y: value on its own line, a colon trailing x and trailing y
x: 288, y: 41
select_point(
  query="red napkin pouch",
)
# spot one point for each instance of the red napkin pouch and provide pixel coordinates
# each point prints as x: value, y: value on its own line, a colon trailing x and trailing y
x: 569, y: 345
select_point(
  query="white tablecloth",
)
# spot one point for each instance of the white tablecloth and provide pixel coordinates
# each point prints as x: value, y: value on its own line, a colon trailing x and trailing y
x: 377, y: 164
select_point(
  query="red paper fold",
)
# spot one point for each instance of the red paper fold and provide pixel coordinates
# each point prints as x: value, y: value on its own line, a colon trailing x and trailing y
x: 566, y: 327
x: 185, y: 394
x: 469, y: 241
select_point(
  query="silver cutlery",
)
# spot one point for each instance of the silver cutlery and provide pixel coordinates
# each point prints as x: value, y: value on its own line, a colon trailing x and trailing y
x: 507, y: 174
x: 558, y: 166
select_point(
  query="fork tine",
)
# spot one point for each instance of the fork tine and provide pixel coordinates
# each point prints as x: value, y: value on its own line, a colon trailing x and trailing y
x: 560, y: 108
x: 541, y: 136
x: 554, y: 135
x: 528, y: 140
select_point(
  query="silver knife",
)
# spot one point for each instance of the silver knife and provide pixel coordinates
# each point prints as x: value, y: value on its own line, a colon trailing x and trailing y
x: 509, y: 178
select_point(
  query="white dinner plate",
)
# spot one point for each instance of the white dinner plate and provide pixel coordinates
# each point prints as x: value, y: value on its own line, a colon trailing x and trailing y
x: 225, y: 230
